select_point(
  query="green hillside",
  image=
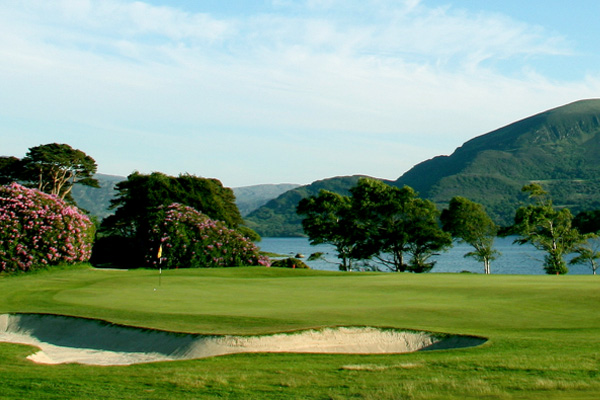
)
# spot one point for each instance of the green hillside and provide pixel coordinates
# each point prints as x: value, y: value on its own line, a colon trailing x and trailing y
x: 559, y: 148
x: 250, y: 198
x: 278, y: 217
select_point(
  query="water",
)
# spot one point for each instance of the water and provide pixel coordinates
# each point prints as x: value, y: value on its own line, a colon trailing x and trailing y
x: 515, y: 259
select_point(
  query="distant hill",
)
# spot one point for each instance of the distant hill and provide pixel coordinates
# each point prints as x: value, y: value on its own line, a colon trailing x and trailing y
x: 278, y: 217
x: 97, y: 200
x: 250, y: 198
x: 559, y: 148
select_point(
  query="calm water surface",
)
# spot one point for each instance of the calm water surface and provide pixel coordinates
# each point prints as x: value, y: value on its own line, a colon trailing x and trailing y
x: 515, y: 259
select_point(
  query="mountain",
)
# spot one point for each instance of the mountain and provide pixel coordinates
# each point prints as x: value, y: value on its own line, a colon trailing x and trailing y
x: 278, y: 217
x: 559, y: 148
x: 250, y: 198
x: 97, y: 200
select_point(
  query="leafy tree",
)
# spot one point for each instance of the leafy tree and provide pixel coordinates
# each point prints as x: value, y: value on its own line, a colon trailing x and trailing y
x: 391, y: 223
x: 328, y: 219
x: 9, y: 170
x: 54, y: 168
x: 468, y: 222
x: 588, y: 252
x: 547, y: 229
x: 587, y: 221
x: 377, y: 221
x: 140, y: 196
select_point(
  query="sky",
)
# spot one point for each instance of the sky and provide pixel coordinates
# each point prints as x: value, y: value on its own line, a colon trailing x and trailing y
x: 283, y: 91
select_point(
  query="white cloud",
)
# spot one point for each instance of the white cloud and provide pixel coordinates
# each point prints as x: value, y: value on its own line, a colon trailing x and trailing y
x: 402, y: 71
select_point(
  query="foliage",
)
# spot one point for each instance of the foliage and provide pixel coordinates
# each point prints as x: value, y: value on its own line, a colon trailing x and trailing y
x: 588, y: 252
x: 139, y: 195
x: 54, y: 168
x: 9, y: 169
x: 390, y: 222
x: 290, y: 262
x: 468, y: 222
x: 328, y: 219
x: 547, y: 229
x: 37, y: 230
x: 587, y: 221
x: 182, y: 237
x: 378, y: 221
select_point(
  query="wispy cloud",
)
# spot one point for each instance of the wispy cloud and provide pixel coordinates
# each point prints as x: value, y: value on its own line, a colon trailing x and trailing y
x: 398, y: 69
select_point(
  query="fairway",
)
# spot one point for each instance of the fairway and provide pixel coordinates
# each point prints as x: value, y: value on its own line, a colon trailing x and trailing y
x: 542, y: 331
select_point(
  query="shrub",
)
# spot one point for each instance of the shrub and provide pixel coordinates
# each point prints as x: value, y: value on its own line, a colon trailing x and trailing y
x: 189, y: 238
x: 38, y: 230
x: 289, y: 263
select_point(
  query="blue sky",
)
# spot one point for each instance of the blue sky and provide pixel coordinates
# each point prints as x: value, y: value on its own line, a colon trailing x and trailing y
x: 274, y: 91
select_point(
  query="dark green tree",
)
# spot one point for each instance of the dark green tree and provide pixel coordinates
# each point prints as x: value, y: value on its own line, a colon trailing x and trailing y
x: 547, y: 228
x: 140, y: 196
x: 328, y: 219
x: 391, y: 223
x: 54, y: 168
x: 10, y: 168
x: 468, y: 222
x: 587, y: 221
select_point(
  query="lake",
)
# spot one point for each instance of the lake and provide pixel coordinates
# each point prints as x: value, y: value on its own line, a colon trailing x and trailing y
x: 515, y: 259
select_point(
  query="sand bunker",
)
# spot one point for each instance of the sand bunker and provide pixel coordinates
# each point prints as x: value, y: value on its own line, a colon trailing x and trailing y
x: 78, y: 340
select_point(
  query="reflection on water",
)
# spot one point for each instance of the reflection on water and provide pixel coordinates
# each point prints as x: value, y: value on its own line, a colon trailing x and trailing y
x: 515, y: 259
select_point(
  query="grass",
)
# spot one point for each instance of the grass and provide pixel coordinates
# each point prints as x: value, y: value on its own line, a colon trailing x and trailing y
x: 543, y: 331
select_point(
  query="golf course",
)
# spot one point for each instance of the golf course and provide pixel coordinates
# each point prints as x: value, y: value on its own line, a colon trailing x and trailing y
x: 541, y: 331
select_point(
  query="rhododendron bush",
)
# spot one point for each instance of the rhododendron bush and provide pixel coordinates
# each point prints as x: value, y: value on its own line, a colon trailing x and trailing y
x: 190, y: 239
x: 38, y: 229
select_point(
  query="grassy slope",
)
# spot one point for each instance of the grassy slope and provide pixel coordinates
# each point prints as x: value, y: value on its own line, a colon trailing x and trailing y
x: 543, y: 334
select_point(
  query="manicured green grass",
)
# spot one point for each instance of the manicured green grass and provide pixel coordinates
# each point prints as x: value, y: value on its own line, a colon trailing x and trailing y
x: 544, y: 334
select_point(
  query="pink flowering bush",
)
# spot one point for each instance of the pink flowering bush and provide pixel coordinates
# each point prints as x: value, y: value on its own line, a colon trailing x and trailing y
x: 190, y: 239
x: 38, y: 230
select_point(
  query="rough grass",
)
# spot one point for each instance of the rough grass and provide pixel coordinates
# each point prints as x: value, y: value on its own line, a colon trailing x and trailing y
x: 543, y: 333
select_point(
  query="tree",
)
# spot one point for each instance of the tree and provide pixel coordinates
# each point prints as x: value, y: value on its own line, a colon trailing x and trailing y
x: 139, y: 195
x: 139, y: 198
x: 587, y: 221
x: 9, y: 170
x: 468, y: 222
x: 392, y: 222
x: 588, y: 252
x: 54, y: 168
x: 328, y: 219
x: 547, y: 229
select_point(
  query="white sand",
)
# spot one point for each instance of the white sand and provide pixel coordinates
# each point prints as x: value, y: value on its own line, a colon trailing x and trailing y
x: 78, y: 340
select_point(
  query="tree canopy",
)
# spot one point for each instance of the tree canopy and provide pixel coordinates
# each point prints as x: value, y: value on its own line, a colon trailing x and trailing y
x: 54, y: 168
x: 51, y: 168
x: 140, y: 194
x: 376, y: 221
x: 547, y: 228
x: 468, y: 222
